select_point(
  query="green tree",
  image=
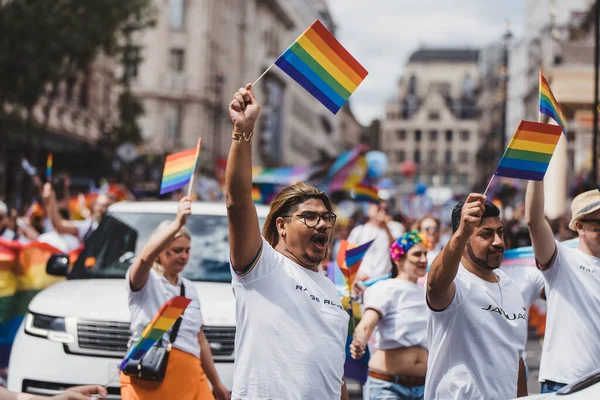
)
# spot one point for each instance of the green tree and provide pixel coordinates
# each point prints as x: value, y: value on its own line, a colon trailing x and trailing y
x: 43, y: 43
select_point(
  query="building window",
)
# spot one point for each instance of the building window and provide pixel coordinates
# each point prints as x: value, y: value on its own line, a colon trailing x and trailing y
x: 463, y: 157
x: 448, y: 157
x: 176, y: 13
x: 174, y: 116
x: 433, y: 136
x: 464, y: 135
x: 417, y: 135
x: 448, y: 136
x: 447, y: 178
x: 401, y: 134
x: 400, y: 156
x: 433, y: 115
x: 432, y: 156
x: 177, y: 60
x: 131, y: 60
x: 417, y: 157
x: 412, y: 85
x: 463, y: 179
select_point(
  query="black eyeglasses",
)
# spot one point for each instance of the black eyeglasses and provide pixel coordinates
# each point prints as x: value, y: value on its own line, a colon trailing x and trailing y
x: 311, y: 219
x: 591, y: 220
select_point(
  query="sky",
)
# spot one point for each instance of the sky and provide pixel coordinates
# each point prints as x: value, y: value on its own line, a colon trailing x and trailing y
x: 382, y: 34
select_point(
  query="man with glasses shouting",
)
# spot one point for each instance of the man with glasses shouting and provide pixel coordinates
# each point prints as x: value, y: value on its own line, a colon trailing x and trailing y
x: 572, y: 341
x: 291, y: 328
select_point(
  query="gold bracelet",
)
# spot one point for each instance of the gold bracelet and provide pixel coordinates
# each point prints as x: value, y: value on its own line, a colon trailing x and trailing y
x: 238, y: 136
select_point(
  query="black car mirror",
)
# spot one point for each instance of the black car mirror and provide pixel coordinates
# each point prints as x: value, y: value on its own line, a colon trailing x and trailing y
x: 58, y: 265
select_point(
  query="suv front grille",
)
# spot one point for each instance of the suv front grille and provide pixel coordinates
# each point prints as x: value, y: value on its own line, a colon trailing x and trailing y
x: 100, y: 335
x: 221, y: 339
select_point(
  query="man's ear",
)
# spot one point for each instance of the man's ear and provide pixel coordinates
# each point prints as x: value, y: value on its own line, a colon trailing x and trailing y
x: 280, y: 223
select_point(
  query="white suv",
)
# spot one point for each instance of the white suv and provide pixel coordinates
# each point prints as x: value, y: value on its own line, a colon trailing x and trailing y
x: 76, y: 332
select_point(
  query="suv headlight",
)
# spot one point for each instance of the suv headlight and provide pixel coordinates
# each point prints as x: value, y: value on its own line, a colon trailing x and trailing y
x: 49, y: 327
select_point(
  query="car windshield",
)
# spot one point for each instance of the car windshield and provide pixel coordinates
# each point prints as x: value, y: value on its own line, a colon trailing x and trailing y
x: 209, y: 255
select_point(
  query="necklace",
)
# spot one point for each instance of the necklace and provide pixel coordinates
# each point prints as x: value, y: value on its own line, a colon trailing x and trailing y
x: 501, y: 305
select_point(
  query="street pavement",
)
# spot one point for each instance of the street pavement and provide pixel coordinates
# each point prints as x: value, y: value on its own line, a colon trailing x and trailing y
x: 533, y: 352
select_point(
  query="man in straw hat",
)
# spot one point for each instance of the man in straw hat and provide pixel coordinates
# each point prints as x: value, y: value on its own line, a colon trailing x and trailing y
x: 572, y: 341
x: 291, y: 329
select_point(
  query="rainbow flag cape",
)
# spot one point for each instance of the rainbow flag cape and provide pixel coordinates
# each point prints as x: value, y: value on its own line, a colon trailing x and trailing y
x: 179, y: 168
x: 529, y: 151
x: 49, y: 167
x: 367, y: 193
x: 161, y: 323
x: 322, y: 66
x: 22, y: 276
x: 349, y: 259
x: 549, y: 106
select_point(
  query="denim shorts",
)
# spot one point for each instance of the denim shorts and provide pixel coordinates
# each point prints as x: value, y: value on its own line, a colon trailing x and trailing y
x: 377, y: 389
x: 551, y: 386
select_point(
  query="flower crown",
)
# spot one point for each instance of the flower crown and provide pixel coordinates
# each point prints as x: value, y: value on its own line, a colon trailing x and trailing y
x: 401, y: 245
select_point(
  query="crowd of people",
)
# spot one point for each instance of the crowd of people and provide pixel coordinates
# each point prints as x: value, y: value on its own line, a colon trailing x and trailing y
x: 443, y: 320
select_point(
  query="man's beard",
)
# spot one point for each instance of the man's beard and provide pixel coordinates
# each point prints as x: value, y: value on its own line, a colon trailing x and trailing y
x: 480, y: 262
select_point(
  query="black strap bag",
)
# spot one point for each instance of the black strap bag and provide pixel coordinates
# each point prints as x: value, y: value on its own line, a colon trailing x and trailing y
x: 153, y: 365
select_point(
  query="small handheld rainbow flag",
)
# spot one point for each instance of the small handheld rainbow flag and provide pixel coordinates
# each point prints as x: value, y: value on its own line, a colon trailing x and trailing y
x: 529, y: 151
x: 161, y: 323
x: 49, y: 168
x: 367, y: 193
x: 349, y: 259
x: 322, y: 66
x: 179, y: 169
x: 549, y: 106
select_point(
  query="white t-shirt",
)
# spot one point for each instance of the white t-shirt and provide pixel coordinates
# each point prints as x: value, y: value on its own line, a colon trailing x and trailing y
x: 377, y: 260
x: 290, y: 332
x: 146, y: 302
x: 529, y: 280
x: 474, y: 350
x: 403, y: 313
x: 572, y: 341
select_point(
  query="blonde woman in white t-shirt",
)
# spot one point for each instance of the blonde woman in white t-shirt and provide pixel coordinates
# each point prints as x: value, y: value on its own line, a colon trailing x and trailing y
x: 395, y: 310
x: 153, y: 278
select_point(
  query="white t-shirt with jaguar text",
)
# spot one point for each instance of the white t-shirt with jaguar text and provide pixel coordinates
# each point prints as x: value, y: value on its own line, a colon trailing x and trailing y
x: 475, y: 343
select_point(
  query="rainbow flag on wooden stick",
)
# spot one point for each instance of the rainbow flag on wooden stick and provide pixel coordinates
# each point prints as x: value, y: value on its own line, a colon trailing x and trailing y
x: 349, y: 259
x: 49, y: 168
x: 161, y: 323
x: 179, y: 169
x: 548, y: 104
x: 529, y: 151
x: 318, y: 62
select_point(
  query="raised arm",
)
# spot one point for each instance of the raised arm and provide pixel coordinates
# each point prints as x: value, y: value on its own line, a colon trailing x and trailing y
x: 60, y: 224
x: 140, y: 269
x: 440, y: 281
x: 540, y: 231
x: 244, y: 231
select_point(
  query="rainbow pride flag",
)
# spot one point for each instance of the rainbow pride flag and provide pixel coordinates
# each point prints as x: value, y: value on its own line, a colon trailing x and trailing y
x: 179, y: 168
x: 22, y: 276
x: 49, y: 168
x: 529, y: 151
x: 349, y: 259
x: 549, y: 106
x: 322, y: 66
x: 153, y: 332
x: 366, y: 193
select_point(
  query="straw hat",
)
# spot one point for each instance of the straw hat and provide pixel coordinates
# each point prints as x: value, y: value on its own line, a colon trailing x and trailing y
x: 584, y: 204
